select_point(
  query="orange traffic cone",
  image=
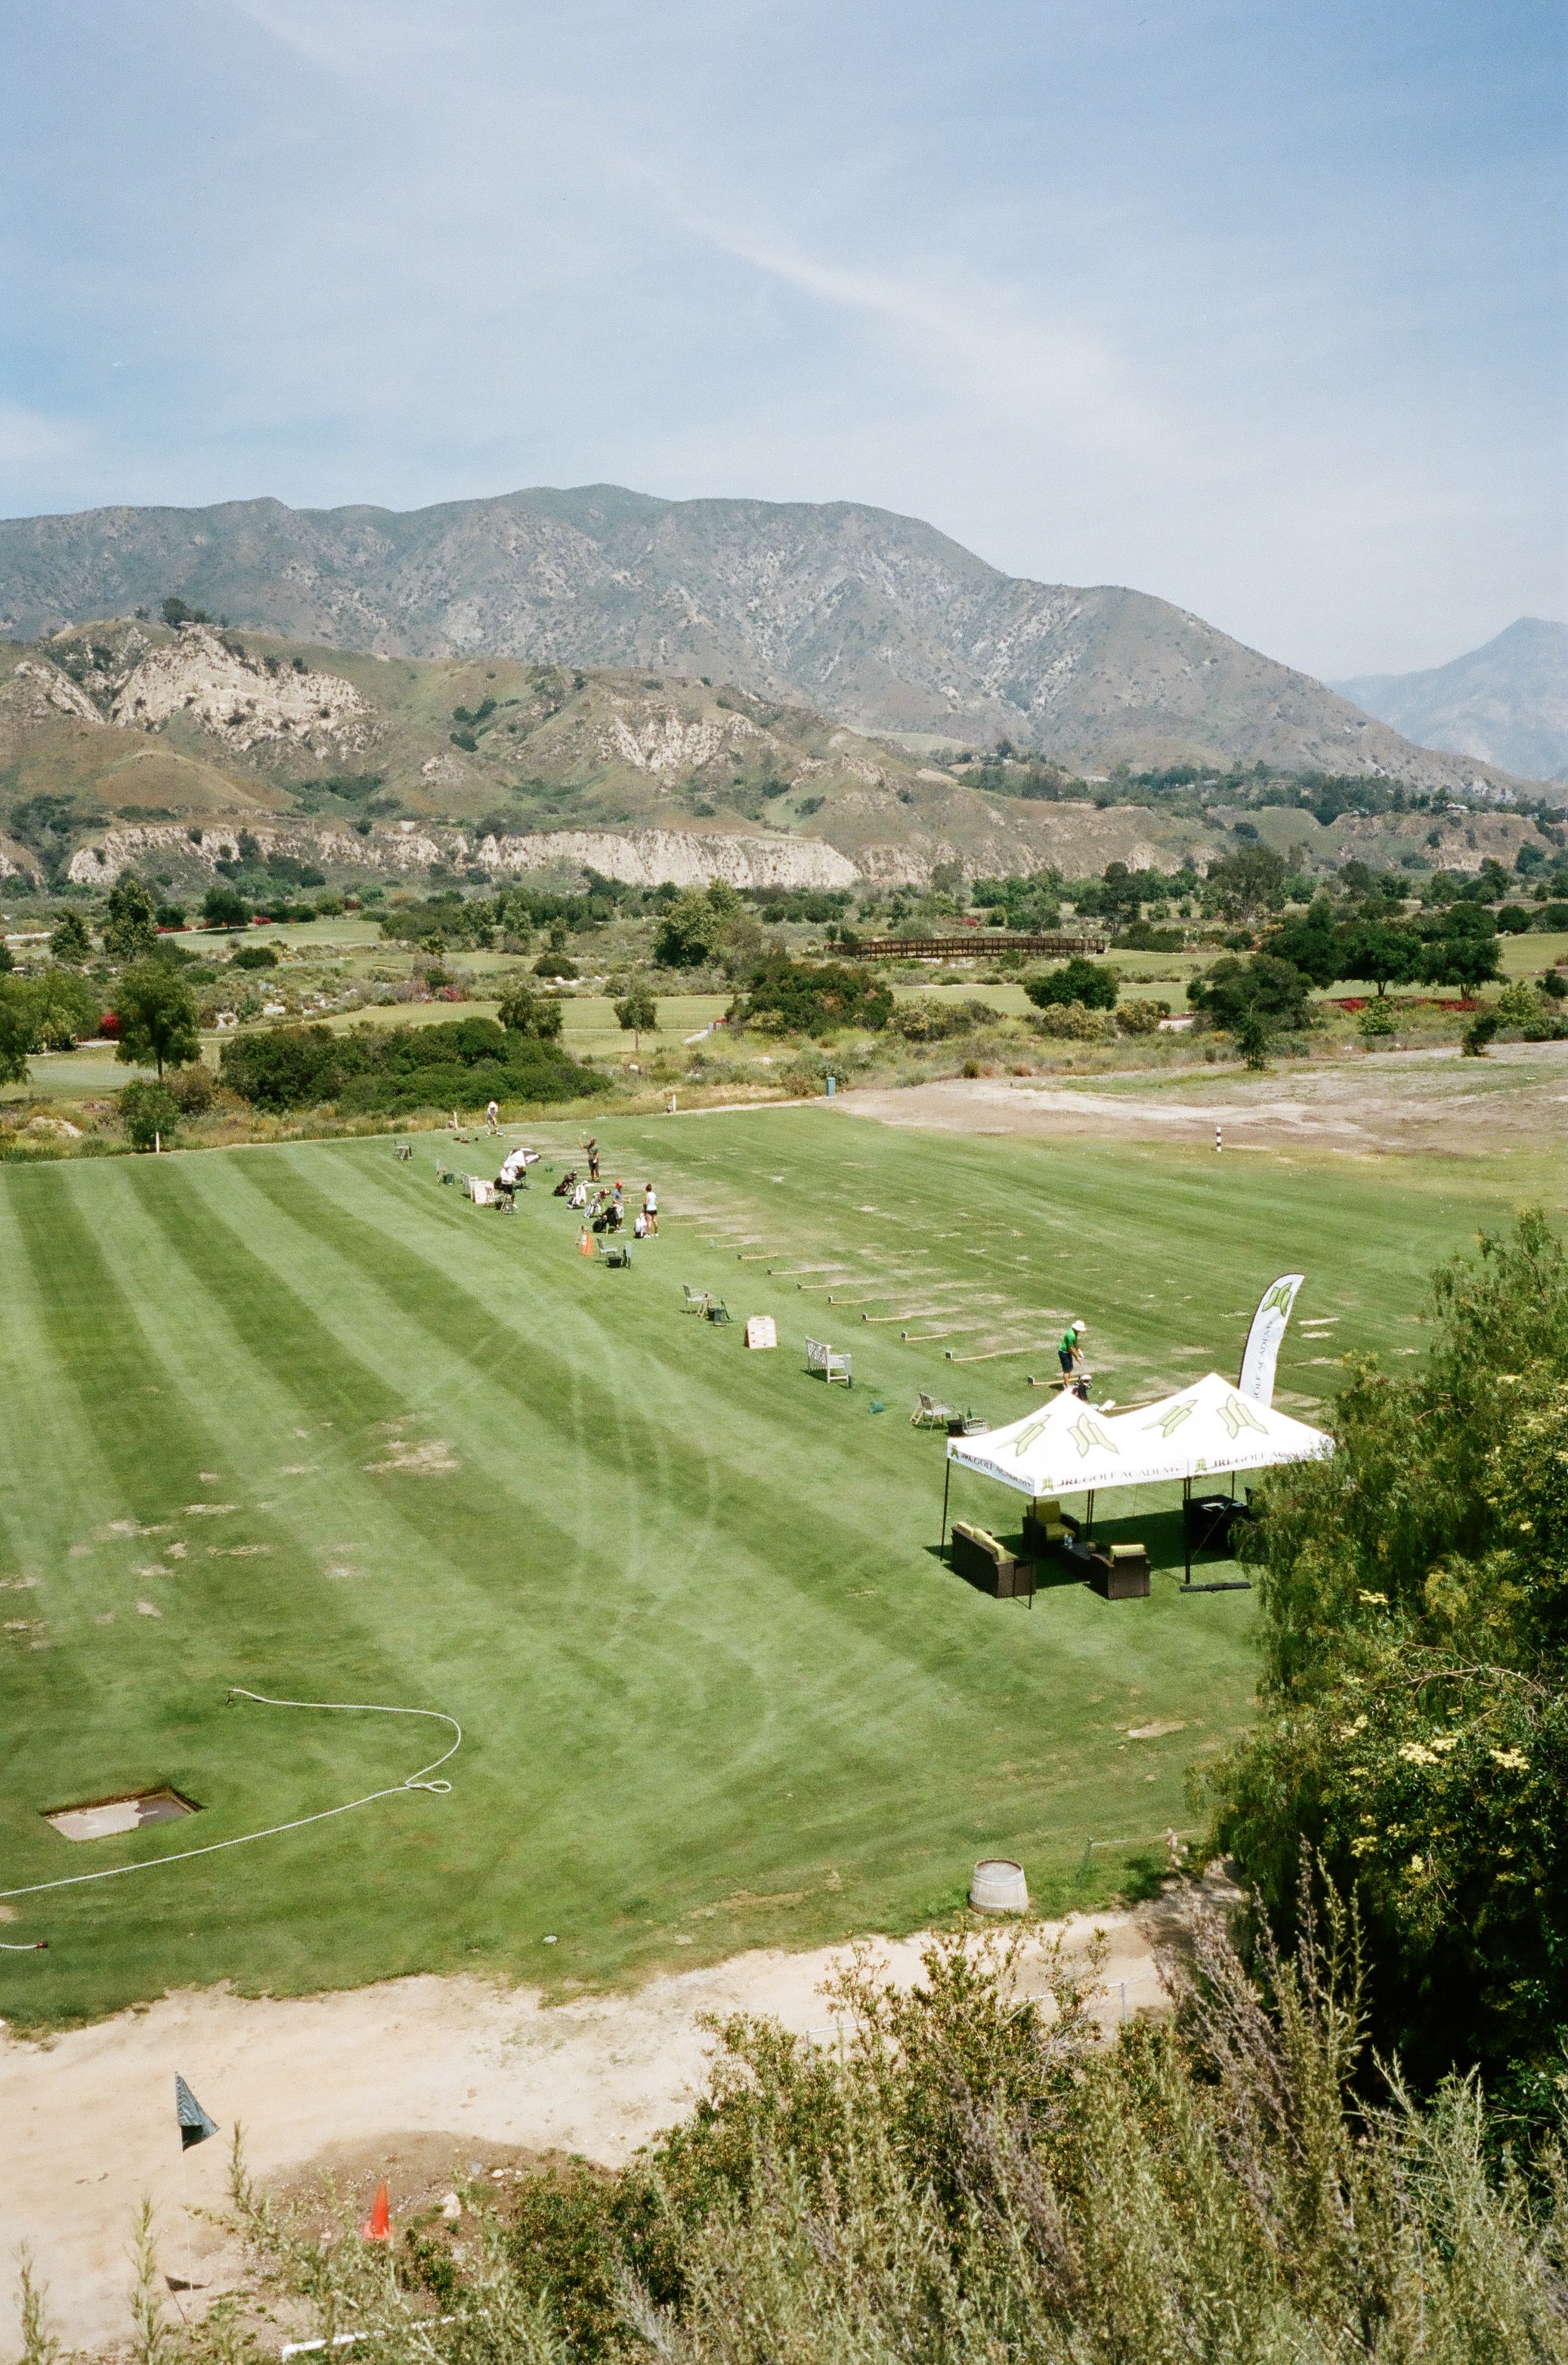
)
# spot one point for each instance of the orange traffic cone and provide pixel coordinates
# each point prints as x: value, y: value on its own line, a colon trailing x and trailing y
x: 378, y: 2227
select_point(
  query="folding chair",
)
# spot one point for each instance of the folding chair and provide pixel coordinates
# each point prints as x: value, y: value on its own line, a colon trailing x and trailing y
x: 929, y: 1414
x: 696, y: 1301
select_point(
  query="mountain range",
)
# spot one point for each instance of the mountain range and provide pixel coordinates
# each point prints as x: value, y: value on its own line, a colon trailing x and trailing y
x: 874, y: 620
x: 1506, y: 703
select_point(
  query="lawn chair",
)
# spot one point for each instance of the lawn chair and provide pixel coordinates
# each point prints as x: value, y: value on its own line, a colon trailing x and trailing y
x: 405, y: 1152
x: 696, y: 1301
x: 929, y: 1414
x: 620, y: 1256
x: 717, y: 1310
x: 832, y: 1362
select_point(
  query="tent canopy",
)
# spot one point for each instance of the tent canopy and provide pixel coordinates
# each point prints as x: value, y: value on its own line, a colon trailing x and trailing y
x: 1208, y: 1430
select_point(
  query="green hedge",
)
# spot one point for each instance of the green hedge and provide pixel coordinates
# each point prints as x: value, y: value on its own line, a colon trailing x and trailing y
x: 388, y: 1070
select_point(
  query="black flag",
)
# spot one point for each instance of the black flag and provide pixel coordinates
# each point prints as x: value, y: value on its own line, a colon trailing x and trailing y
x: 195, y: 2125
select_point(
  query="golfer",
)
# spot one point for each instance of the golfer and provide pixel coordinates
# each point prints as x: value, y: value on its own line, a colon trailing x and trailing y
x: 1069, y: 1353
x: 591, y: 1146
x: 493, y: 1117
x: 651, y: 1210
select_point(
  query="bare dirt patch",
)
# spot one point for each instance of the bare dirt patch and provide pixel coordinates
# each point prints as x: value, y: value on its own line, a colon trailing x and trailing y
x: 413, y: 2080
x: 1429, y: 1102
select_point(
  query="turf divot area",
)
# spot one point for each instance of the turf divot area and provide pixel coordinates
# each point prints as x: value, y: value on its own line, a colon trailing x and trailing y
x: 299, y: 1418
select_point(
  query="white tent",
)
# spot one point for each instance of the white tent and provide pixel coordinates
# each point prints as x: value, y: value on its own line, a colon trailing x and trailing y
x: 1208, y: 1430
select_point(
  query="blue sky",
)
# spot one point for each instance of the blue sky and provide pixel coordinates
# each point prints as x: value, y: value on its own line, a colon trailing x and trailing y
x: 1258, y: 306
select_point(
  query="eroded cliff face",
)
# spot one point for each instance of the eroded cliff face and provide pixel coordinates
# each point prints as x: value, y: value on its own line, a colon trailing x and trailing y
x: 243, y: 700
x: 641, y: 858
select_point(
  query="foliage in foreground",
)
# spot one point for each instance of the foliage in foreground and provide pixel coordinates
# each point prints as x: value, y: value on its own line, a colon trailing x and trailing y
x: 979, y: 2177
x: 1414, y: 1724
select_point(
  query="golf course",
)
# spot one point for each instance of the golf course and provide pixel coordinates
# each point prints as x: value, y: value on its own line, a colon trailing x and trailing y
x: 302, y: 1420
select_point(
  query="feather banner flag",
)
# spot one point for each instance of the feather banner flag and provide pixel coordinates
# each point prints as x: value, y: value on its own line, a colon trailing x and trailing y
x: 193, y: 2123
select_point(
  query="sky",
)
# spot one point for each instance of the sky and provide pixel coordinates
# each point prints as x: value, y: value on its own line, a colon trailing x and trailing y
x: 1261, y: 307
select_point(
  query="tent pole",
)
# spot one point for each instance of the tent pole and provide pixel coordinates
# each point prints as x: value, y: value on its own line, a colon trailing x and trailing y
x: 946, y: 1481
x: 1089, y: 1522
x: 1187, y: 1528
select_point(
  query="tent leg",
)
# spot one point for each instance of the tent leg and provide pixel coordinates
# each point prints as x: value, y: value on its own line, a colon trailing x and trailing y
x: 1187, y: 1530
x: 946, y: 1481
x: 1088, y: 1519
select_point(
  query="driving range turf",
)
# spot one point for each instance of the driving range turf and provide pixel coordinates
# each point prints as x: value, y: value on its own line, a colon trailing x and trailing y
x: 302, y: 1420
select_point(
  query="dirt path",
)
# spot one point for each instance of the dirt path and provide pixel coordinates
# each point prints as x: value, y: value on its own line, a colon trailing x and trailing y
x: 1516, y: 1099
x: 413, y: 2080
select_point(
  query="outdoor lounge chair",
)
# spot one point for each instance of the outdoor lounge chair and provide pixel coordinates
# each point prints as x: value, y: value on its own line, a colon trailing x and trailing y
x: 1120, y: 1575
x: 929, y: 1414
x: 983, y: 1562
x: 832, y: 1362
x: 1047, y: 1528
x: 696, y: 1301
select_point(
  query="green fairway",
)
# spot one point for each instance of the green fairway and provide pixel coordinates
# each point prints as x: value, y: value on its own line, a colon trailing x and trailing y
x: 299, y: 1419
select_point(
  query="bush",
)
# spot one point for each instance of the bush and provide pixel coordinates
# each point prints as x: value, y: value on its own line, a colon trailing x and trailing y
x: 146, y: 1113
x: 1141, y: 1017
x: 1480, y: 1032
x: 1377, y: 1020
x: 523, y: 1012
x: 191, y: 1089
x: 813, y: 998
x: 928, y: 1020
x: 253, y: 956
x: 557, y: 965
x: 1089, y: 983
x: 1073, y: 1023
x: 394, y: 1070
x: 1514, y: 919
x: 1551, y: 919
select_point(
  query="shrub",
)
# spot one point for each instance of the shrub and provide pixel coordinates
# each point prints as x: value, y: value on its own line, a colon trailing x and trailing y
x: 523, y: 1012
x: 1265, y: 988
x: 1073, y: 1023
x: 146, y: 1113
x: 1377, y: 1019
x: 402, y: 1068
x: 70, y: 941
x: 290, y: 1066
x: 790, y: 997
x: 191, y: 1089
x: 1480, y: 1032
x: 255, y: 957
x: 556, y: 964
x: 1141, y: 1017
x: 1089, y: 983
x: 1514, y: 919
x: 1551, y: 919
x: 222, y: 908
x: 929, y: 1020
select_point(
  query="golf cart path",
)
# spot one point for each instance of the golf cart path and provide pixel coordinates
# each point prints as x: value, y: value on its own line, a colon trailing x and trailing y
x: 415, y: 2079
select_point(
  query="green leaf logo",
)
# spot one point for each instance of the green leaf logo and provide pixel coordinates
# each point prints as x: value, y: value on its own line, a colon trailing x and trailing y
x: 1237, y: 1414
x: 1087, y: 1434
x: 1170, y: 1419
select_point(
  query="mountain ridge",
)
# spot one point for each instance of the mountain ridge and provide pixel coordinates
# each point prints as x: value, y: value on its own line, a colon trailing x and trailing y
x: 880, y: 621
x: 1505, y: 702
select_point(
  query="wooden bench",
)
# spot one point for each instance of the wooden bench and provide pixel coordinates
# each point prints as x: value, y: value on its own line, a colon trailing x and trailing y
x: 833, y: 1363
x: 983, y: 1562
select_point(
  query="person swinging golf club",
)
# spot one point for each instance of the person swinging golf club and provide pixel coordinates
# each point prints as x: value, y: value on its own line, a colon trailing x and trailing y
x: 1069, y: 1354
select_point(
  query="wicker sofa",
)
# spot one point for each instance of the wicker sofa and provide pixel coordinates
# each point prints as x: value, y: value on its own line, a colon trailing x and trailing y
x: 981, y: 1561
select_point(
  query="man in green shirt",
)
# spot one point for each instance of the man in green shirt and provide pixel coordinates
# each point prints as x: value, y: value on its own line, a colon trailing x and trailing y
x: 1068, y: 1351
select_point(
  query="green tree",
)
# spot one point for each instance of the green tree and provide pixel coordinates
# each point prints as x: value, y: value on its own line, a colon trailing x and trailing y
x: 130, y: 920
x: 635, y: 1012
x: 701, y: 927
x: 1250, y: 881
x: 1464, y: 958
x: 65, y: 1005
x: 536, y: 1016
x: 1314, y: 943
x: 148, y: 1113
x: 1376, y: 953
x: 1263, y: 991
x: 158, y: 1017
x: 1414, y: 1730
x: 69, y: 941
x: 1090, y: 983
x: 19, y: 1034
x: 221, y: 907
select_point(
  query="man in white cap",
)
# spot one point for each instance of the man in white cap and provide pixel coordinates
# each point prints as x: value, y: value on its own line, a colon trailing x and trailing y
x: 1068, y: 1351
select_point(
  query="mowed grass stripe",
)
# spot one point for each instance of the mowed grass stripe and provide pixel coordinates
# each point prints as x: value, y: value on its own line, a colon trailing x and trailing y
x: 702, y: 1643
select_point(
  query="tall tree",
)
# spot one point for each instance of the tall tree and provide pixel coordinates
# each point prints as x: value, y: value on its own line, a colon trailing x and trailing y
x: 70, y: 941
x: 158, y: 1017
x: 636, y: 1010
x: 130, y: 920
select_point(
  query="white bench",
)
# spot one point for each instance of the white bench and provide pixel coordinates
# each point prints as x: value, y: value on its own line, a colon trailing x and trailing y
x: 833, y: 1363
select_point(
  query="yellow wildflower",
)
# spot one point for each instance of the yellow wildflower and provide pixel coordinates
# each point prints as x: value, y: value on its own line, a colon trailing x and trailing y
x: 1514, y: 1759
x: 1374, y: 1600
x: 1416, y: 1753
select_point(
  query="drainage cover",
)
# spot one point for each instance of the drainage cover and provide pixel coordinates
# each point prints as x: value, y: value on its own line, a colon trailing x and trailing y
x: 101, y: 1818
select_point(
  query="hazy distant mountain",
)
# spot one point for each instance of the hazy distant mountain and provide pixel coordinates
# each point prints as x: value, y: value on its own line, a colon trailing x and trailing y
x: 874, y: 618
x: 1507, y: 703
